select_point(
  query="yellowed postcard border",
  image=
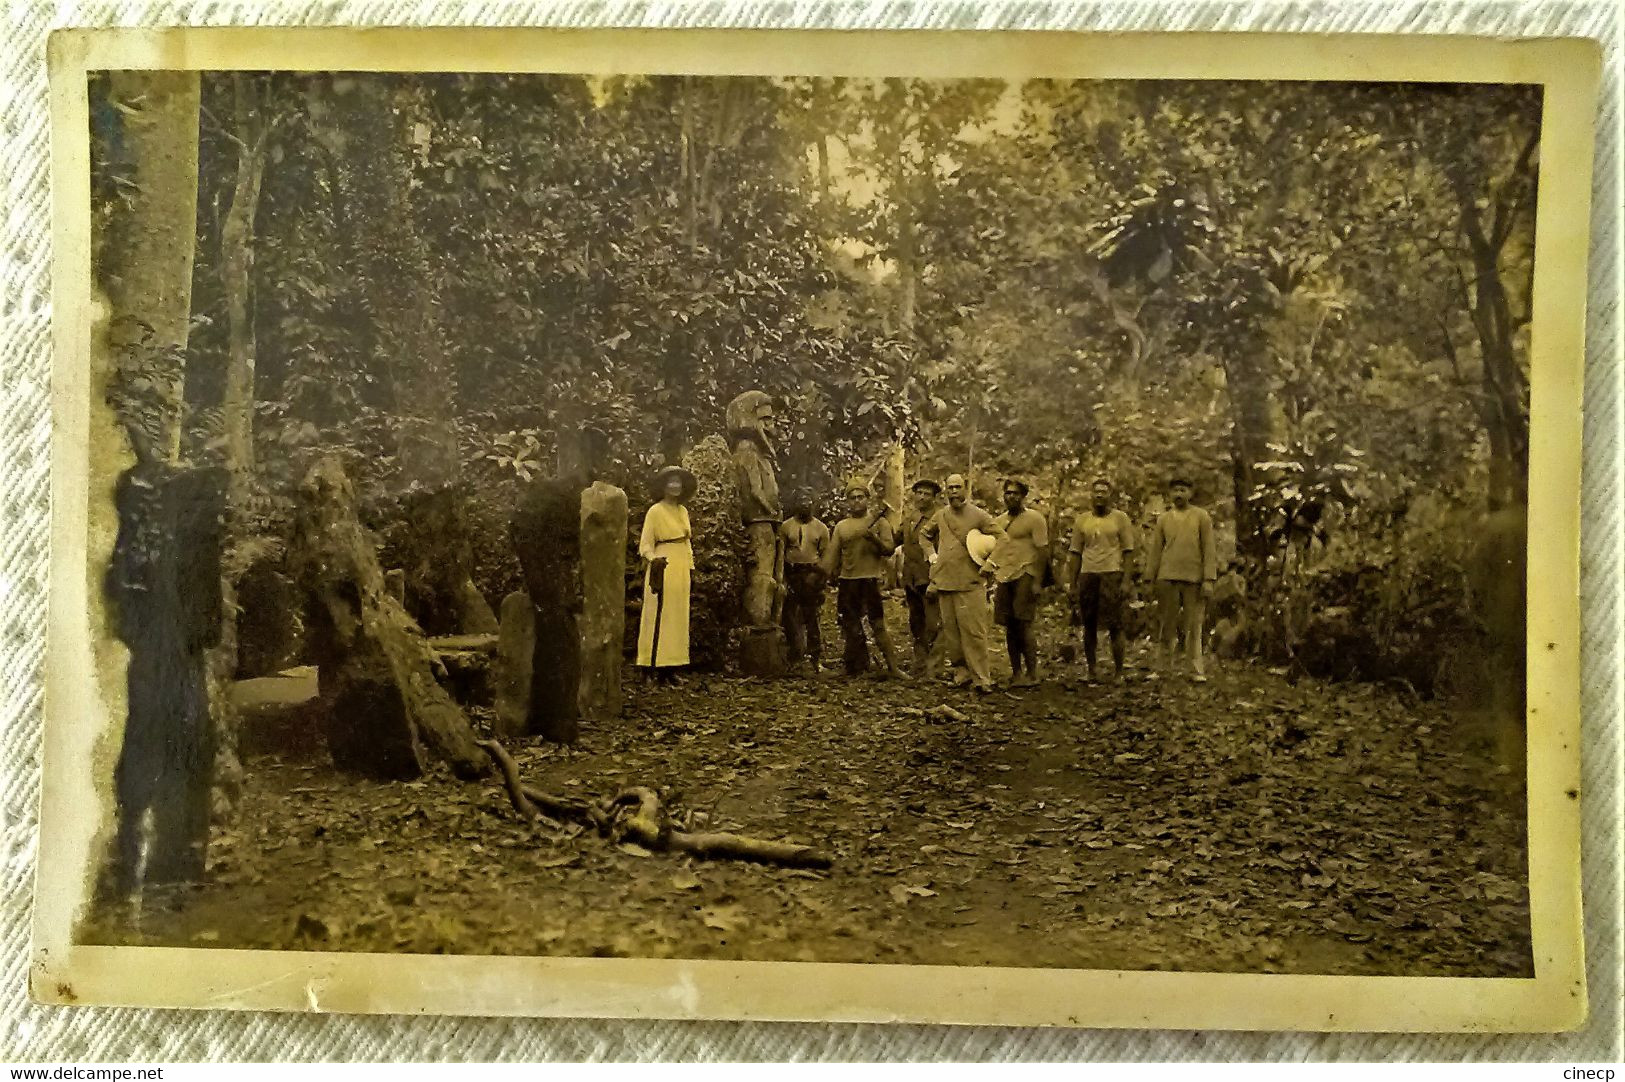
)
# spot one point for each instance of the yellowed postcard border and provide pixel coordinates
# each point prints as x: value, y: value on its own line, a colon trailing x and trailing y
x: 84, y: 693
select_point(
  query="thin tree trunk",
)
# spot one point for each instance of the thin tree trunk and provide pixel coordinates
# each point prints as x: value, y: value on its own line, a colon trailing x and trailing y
x: 237, y: 259
x: 1249, y: 434
x: 689, y: 174
x: 970, y: 453
x: 906, y: 246
x: 1505, y: 411
x: 822, y: 146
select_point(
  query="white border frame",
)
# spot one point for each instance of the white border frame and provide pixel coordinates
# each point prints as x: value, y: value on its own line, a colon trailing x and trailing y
x: 1554, y: 999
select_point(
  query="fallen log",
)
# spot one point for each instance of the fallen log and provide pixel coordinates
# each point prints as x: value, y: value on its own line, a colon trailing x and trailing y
x: 739, y: 847
x: 637, y: 815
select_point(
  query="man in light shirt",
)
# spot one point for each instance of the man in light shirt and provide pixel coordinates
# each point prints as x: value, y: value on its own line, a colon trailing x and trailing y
x: 1102, y: 539
x: 1019, y: 560
x: 957, y: 582
x: 1183, y: 561
x: 805, y: 539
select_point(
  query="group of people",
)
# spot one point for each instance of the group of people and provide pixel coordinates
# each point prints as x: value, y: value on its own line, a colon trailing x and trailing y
x: 963, y: 570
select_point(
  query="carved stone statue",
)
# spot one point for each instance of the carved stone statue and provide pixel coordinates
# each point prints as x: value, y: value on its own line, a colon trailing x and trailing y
x: 762, y: 650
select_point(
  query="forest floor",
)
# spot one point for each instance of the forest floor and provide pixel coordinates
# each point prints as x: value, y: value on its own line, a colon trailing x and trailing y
x: 1249, y: 824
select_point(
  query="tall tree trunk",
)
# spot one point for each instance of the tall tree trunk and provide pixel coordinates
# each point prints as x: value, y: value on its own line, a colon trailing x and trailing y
x: 1250, y: 434
x: 678, y: 359
x: 147, y: 263
x: 237, y: 260
x: 689, y: 173
x: 162, y: 583
x: 250, y: 131
x: 1505, y: 403
x: 822, y: 146
x: 906, y: 247
x: 377, y: 115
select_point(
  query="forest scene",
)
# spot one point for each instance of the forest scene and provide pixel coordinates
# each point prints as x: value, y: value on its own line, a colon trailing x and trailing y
x: 396, y: 363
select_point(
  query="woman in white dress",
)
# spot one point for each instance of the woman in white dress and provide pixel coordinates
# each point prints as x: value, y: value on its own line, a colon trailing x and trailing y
x: 669, y: 564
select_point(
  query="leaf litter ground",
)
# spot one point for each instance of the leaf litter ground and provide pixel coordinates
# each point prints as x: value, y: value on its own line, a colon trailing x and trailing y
x: 1249, y: 824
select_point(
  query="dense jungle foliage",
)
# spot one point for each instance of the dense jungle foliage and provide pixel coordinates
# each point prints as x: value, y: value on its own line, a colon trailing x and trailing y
x: 1312, y: 299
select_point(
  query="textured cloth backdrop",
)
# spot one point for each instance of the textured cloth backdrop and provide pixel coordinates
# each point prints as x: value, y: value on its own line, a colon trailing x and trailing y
x: 31, y: 1032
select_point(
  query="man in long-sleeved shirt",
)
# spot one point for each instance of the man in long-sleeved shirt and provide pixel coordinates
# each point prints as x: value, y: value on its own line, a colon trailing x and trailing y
x: 1183, y: 561
x: 918, y: 554
x: 859, y: 547
x: 957, y: 582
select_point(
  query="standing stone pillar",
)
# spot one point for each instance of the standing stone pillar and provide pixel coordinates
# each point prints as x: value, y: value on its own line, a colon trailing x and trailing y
x: 547, y: 537
x: 603, y: 599
x: 516, y: 650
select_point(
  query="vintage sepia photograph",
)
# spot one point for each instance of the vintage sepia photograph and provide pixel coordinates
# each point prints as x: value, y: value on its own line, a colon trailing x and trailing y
x: 1044, y: 523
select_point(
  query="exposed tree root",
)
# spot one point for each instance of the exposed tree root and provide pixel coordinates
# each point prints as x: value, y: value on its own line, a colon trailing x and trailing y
x: 637, y: 815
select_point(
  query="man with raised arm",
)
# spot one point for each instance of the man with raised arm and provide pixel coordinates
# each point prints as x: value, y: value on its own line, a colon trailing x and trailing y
x: 859, y: 547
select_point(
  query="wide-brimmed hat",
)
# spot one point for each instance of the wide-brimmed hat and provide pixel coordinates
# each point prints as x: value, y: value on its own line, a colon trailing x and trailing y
x: 657, y: 483
x: 980, y: 546
x: 927, y: 484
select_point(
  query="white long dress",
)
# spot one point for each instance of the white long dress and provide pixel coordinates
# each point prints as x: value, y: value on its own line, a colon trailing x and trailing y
x: 666, y: 533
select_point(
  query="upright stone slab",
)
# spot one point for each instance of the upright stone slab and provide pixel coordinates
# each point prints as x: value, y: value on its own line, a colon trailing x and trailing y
x: 603, y: 599
x: 516, y: 650
x: 547, y: 539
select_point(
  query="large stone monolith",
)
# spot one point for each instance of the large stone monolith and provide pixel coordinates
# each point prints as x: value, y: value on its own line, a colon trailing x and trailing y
x: 603, y: 599
x: 546, y: 531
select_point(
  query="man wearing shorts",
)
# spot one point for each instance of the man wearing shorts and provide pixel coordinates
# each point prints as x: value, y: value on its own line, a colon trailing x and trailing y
x: 805, y: 539
x: 859, y: 547
x: 1097, y: 570
x: 1019, y: 560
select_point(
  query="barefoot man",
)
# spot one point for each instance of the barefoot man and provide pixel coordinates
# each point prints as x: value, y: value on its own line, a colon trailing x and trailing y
x: 1019, y: 560
x: 859, y: 547
x: 1097, y: 573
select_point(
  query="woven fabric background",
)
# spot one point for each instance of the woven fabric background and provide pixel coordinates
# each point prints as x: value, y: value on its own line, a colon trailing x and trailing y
x: 29, y: 1032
